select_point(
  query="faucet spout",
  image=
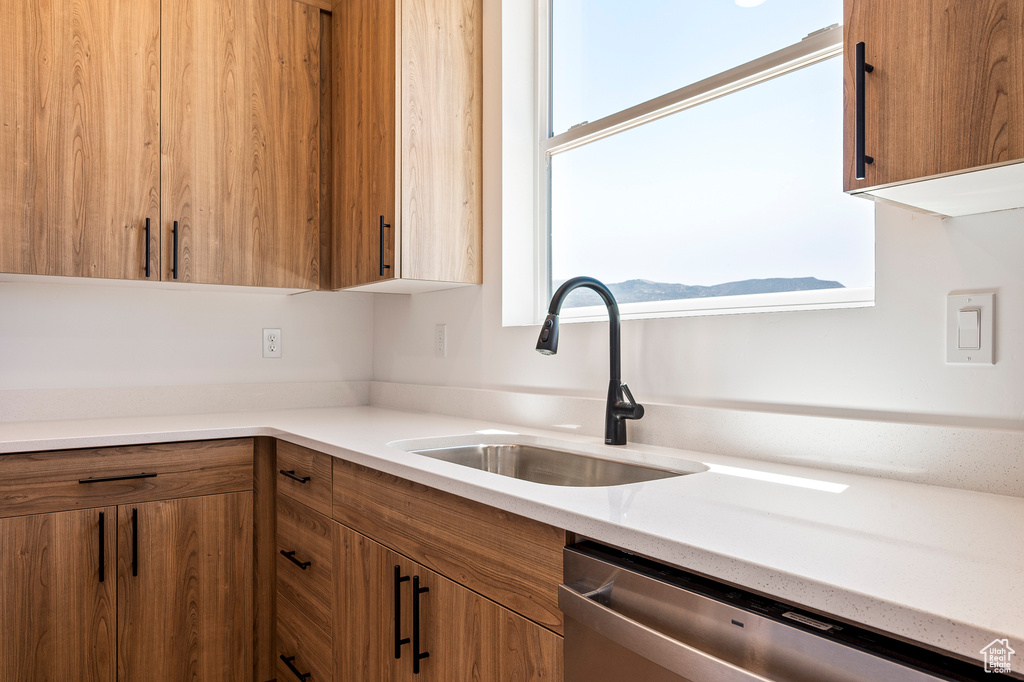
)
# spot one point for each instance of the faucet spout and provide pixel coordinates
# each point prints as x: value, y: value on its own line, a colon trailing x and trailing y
x: 620, y: 405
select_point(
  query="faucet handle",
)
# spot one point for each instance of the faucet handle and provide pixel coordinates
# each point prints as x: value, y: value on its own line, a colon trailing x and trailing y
x: 631, y: 409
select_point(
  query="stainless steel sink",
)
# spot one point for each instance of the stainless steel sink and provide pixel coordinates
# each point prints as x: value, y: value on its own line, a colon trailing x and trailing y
x: 545, y: 465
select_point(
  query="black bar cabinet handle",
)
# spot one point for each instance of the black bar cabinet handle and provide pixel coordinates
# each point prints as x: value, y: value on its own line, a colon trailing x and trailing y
x: 174, y: 259
x: 290, y: 556
x: 147, y: 248
x: 383, y: 266
x: 135, y: 542
x: 295, y: 671
x: 291, y: 474
x: 861, y: 67
x: 399, y: 640
x: 417, y: 655
x: 103, y: 551
x: 107, y: 479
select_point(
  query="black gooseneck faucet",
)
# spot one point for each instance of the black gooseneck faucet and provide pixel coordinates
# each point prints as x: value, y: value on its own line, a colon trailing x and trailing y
x: 621, y: 405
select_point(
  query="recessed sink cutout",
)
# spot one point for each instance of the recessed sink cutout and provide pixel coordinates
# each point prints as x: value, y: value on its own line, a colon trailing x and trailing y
x: 548, y: 463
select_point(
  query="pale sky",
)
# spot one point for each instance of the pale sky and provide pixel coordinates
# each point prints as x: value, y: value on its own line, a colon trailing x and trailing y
x: 747, y: 186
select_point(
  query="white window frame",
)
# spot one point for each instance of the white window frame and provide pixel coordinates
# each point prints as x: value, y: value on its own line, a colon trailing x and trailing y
x: 817, y: 47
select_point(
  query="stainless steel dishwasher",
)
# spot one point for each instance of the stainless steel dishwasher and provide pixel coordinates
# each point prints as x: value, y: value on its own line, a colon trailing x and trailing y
x: 628, y: 619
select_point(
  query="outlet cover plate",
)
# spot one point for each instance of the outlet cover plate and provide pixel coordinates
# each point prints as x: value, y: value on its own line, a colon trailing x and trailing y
x: 271, y: 343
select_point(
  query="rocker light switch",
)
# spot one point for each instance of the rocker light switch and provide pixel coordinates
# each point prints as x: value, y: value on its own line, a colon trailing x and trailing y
x: 970, y: 327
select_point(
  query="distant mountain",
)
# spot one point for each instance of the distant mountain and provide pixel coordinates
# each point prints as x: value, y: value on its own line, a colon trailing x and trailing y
x: 641, y: 290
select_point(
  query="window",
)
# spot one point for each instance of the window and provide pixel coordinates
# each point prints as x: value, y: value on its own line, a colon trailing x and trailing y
x: 693, y: 157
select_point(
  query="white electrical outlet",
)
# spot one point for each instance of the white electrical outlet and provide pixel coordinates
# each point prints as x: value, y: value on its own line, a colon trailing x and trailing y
x: 441, y: 340
x: 271, y: 343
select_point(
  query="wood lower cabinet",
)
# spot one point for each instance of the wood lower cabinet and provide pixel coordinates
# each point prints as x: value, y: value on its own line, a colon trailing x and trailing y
x: 397, y: 620
x: 407, y: 88
x: 184, y: 589
x: 58, y: 596
x: 131, y: 563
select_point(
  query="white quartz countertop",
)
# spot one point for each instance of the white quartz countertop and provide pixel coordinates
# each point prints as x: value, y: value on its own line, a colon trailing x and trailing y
x: 940, y: 566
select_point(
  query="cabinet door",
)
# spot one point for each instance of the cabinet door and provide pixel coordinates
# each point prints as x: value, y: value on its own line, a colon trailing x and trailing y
x: 364, y: 130
x: 57, y: 592
x: 240, y: 162
x: 466, y: 636
x: 945, y: 93
x: 184, y: 575
x: 362, y: 609
x: 79, y: 137
x: 469, y: 637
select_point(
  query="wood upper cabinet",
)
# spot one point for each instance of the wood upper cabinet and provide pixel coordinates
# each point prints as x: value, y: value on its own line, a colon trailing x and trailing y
x: 397, y: 620
x: 945, y: 93
x: 79, y: 137
x: 204, y: 113
x: 240, y: 159
x: 184, y: 589
x: 407, y: 88
x: 58, y: 597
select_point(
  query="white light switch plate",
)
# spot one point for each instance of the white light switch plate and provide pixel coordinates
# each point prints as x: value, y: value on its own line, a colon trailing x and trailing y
x: 985, y: 305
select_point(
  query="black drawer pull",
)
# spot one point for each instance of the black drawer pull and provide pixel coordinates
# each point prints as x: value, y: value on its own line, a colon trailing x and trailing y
x: 147, y: 248
x: 135, y: 543
x: 295, y: 671
x: 417, y: 655
x: 383, y: 265
x: 291, y: 474
x: 861, y: 67
x: 107, y: 479
x: 399, y: 640
x: 174, y: 261
x: 290, y: 556
x: 103, y: 551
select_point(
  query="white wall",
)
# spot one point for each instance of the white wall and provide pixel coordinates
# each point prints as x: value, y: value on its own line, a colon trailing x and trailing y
x: 888, y: 359
x: 78, y: 335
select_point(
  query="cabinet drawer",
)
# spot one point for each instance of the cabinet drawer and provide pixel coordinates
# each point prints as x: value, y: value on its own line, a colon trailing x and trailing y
x: 38, y: 482
x: 510, y: 559
x: 308, y: 647
x: 304, y: 577
x: 304, y: 475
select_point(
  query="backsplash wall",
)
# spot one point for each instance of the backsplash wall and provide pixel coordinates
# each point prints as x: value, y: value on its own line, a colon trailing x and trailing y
x: 74, y: 335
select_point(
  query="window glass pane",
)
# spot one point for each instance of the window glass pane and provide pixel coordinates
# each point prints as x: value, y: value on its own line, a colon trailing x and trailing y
x: 608, y: 55
x: 745, y: 187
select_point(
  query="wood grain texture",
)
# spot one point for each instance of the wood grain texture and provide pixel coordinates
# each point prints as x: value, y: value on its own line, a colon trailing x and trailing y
x: 365, y: 140
x: 298, y: 637
x: 945, y: 94
x: 442, y: 161
x: 510, y: 559
x: 240, y: 174
x: 315, y: 493
x: 362, y: 608
x: 264, y: 557
x: 79, y: 136
x: 468, y: 636
x: 187, y: 615
x: 38, y: 482
x: 326, y: 153
x: 308, y: 534
x: 58, y: 619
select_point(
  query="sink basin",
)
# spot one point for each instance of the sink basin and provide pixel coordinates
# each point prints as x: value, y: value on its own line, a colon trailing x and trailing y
x: 546, y: 465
